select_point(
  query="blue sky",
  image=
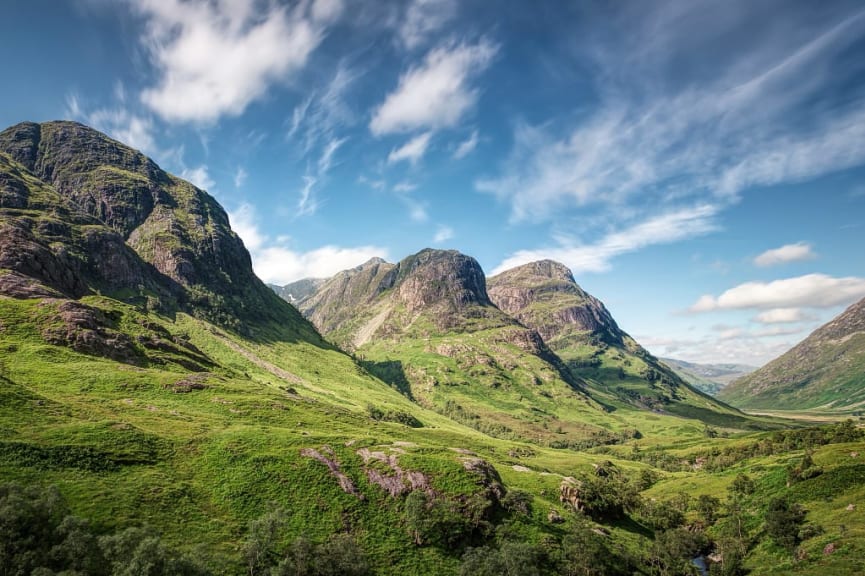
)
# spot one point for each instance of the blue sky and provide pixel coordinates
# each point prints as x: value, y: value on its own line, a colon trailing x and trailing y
x: 700, y: 165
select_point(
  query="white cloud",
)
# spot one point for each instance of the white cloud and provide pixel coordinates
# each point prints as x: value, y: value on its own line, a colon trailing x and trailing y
x: 240, y: 177
x: 467, y: 146
x: 443, y: 234
x: 782, y: 316
x: 307, y: 204
x: 809, y: 291
x: 596, y: 257
x: 422, y: 19
x: 412, y: 151
x: 657, y: 137
x: 198, y: 176
x: 435, y: 94
x: 216, y: 57
x: 321, y: 115
x: 276, y: 262
x: 787, y: 253
x: 118, y: 122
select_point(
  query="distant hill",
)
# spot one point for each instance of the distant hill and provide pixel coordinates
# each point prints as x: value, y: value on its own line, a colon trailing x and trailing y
x: 825, y: 371
x: 710, y: 378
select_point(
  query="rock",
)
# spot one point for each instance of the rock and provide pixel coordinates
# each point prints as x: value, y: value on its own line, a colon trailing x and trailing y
x: 554, y: 517
x: 850, y: 507
x: 345, y: 483
x: 569, y: 493
x: 829, y: 548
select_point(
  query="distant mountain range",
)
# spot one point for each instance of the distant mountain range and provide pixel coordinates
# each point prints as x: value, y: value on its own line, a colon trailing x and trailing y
x: 710, y: 378
x: 826, y: 371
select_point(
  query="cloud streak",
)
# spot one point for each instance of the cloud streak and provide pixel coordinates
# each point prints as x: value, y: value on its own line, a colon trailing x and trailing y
x: 597, y: 256
x: 435, y: 94
x: 808, y: 291
x: 787, y: 253
x: 664, y: 141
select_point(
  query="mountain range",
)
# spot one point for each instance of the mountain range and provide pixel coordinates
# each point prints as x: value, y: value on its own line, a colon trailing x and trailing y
x: 416, y: 412
x: 710, y: 378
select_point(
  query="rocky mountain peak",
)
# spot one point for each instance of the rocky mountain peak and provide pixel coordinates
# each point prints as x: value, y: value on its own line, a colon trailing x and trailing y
x: 441, y: 277
x: 544, y: 295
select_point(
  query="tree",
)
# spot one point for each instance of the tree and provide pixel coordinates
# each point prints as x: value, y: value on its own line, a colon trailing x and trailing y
x: 261, y: 547
x: 509, y: 559
x: 707, y: 507
x: 783, y: 521
x: 742, y: 485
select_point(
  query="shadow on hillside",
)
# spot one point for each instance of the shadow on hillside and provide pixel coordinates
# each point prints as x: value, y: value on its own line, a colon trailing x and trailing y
x: 390, y: 372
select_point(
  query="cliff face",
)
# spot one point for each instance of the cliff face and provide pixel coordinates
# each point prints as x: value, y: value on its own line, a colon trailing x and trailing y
x: 82, y: 213
x: 826, y: 370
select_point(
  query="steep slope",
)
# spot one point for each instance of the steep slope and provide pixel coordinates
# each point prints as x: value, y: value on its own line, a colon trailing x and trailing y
x: 709, y: 378
x: 824, y: 371
x: 67, y: 185
x: 577, y: 326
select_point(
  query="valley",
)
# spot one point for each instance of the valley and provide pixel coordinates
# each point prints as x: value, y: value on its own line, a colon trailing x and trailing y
x: 415, y: 417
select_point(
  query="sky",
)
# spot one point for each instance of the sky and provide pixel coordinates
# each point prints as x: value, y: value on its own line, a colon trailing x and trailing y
x: 698, y: 164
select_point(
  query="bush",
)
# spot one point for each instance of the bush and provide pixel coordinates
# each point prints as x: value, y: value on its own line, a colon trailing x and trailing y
x: 783, y: 521
x: 509, y: 559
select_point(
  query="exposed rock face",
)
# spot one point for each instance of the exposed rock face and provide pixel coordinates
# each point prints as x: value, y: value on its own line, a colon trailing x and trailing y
x: 81, y: 212
x: 445, y: 287
x: 544, y: 295
x: 445, y: 279
x: 299, y: 291
x: 823, y: 370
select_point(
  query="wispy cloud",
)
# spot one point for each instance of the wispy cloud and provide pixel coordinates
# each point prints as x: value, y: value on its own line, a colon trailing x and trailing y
x: 276, y: 262
x: 808, y: 291
x: 656, y: 138
x: 215, y: 58
x: 437, y: 93
x: 199, y: 176
x: 422, y: 19
x: 443, y: 234
x: 412, y: 151
x: 596, y: 257
x: 118, y: 121
x: 417, y: 209
x: 787, y: 253
x: 467, y: 146
x: 240, y: 177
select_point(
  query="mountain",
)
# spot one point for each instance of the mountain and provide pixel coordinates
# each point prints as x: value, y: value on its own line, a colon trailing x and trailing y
x: 710, y: 378
x: 427, y: 326
x: 297, y: 292
x: 85, y: 214
x: 578, y: 327
x: 826, y: 371
x: 157, y: 400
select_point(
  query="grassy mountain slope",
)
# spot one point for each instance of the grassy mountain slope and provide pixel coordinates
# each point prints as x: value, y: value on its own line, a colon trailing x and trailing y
x: 826, y: 371
x: 709, y: 378
x: 577, y: 326
x: 145, y: 374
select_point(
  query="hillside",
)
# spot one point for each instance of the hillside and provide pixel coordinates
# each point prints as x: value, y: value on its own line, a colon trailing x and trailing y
x: 826, y: 371
x: 709, y: 378
x: 578, y: 327
x: 162, y: 412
